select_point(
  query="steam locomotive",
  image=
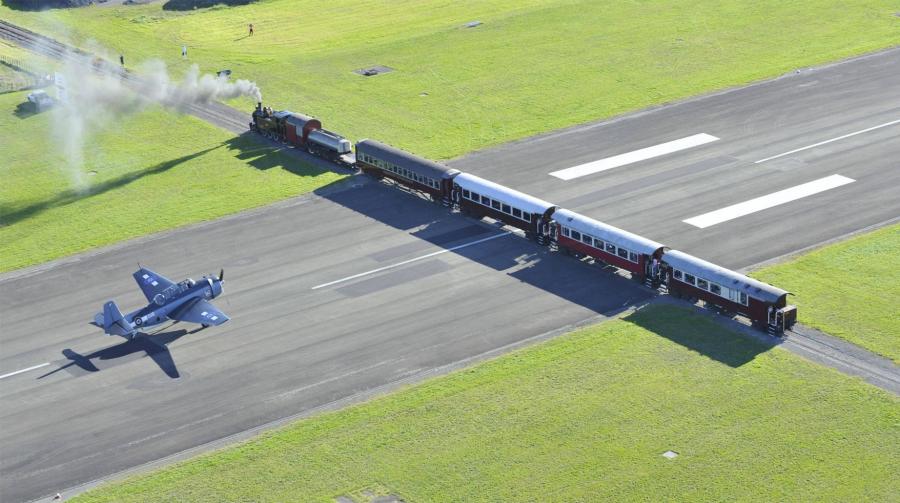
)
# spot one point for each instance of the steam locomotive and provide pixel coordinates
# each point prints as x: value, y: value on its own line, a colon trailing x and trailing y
x: 302, y: 132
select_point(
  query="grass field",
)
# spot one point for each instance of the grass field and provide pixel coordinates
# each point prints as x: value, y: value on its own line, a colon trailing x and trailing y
x: 154, y: 171
x: 849, y: 289
x: 583, y: 417
x: 533, y: 66
x: 14, y: 56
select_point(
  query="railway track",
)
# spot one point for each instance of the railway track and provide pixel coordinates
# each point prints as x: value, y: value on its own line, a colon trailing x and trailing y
x: 215, y: 113
x: 884, y: 375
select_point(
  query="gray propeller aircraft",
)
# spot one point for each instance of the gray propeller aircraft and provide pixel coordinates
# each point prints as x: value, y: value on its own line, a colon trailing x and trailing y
x: 187, y: 300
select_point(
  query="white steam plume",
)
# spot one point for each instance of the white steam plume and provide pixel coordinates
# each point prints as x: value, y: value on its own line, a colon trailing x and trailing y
x: 100, y: 96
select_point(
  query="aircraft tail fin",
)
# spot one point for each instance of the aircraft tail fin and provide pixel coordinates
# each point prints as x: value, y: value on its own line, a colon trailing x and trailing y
x: 113, y: 322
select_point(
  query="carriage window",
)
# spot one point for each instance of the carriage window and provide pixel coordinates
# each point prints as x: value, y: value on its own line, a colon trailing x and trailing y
x: 611, y: 248
x: 495, y: 204
x: 716, y: 289
x: 507, y: 209
x: 565, y: 230
x: 576, y: 235
x: 485, y: 200
x: 475, y: 197
x: 702, y: 283
x: 586, y: 239
x: 743, y: 298
x: 623, y: 253
x: 633, y: 257
x: 598, y: 244
x: 526, y: 217
x: 518, y: 214
x: 688, y: 279
x: 677, y: 274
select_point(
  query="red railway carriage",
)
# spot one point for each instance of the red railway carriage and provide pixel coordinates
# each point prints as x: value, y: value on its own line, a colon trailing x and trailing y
x: 483, y: 198
x: 763, y: 303
x: 608, y: 244
x: 385, y: 161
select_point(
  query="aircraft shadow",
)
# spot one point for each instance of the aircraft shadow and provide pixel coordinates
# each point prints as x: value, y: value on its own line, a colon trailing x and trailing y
x: 155, y: 346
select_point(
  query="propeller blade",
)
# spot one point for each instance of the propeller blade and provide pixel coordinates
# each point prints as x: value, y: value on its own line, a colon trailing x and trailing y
x: 222, y: 274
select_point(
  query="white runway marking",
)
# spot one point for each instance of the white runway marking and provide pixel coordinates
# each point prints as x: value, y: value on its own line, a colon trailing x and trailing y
x: 634, y: 156
x: 4, y: 376
x: 768, y: 201
x: 373, y: 271
x: 886, y: 124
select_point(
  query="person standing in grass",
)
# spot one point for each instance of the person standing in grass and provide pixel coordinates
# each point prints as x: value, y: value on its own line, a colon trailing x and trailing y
x: 184, y: 51
x: 251, y: 30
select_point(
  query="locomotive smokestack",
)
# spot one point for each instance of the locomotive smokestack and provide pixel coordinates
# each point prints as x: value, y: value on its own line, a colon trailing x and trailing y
x: 259, y: 106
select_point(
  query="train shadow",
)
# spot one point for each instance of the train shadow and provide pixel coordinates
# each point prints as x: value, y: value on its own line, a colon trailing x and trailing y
x: 700, y: 332
x: 264, y: 154
x: 155, y: 346
x: 592, y: 286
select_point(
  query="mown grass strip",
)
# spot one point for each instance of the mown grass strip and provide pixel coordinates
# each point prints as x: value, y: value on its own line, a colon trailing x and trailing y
x: 585, y: 416
x: 849, y: 289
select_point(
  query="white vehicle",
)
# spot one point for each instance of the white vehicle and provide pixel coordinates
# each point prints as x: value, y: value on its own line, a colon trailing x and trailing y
x: 40, y: 101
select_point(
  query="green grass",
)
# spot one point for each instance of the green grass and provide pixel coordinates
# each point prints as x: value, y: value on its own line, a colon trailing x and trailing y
x: 583, y: 417
x: 533, y: 66
x: 154, y: 171
x: 15, y: 55
x: 849, y: 289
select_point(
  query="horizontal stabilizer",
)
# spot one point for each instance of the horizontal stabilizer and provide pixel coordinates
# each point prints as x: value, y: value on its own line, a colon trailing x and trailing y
x: 113, y: 321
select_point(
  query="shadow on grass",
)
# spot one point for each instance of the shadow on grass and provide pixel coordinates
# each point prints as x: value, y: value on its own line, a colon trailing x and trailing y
x: 264, y: 154
x: 693, y: 331
x: 24, y: 111
x: 155, y: 346
x: 39, y: 5
x: 202, y: 4
x: 11, y: 216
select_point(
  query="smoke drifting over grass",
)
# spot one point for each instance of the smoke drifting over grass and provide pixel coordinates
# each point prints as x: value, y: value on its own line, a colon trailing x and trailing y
x: 100, y: 95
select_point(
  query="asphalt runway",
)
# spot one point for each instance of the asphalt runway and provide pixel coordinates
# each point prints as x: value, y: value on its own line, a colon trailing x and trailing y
x: 104, y: 404
x: 653, y: 197
x: 312, y: 323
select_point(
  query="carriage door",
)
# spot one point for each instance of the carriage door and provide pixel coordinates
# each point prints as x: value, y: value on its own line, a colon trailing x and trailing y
x: 543, y: 230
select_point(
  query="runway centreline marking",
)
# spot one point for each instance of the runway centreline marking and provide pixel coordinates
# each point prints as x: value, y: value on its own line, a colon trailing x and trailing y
x: 4, y: 376
x: 633, y: 156
x: 373, y: 271
x: 814, y: 145
x: 768, y: 201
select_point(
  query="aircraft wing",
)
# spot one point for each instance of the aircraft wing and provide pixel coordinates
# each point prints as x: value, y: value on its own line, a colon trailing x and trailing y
x: 200, y: 312
x: 151, y: 283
